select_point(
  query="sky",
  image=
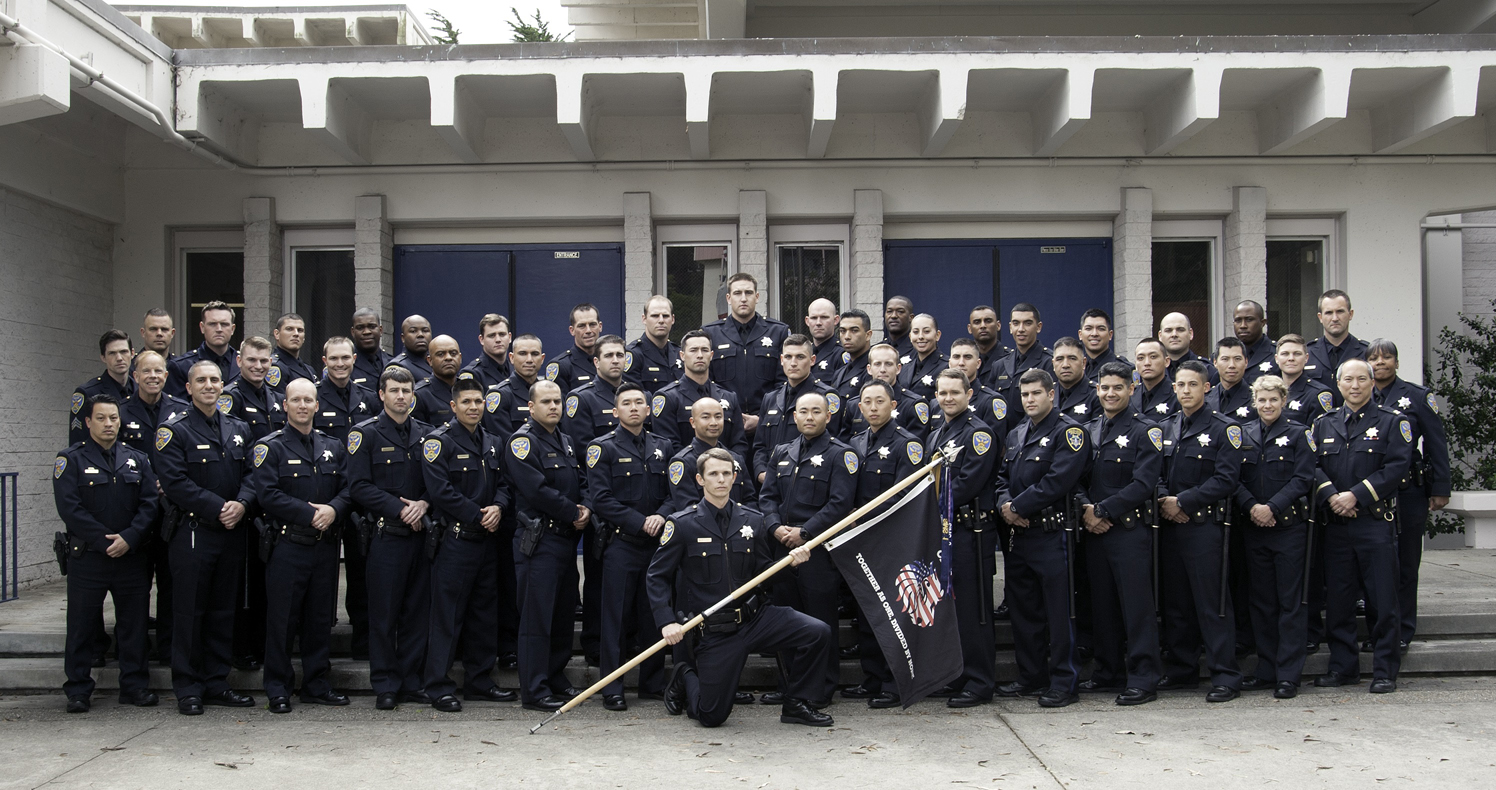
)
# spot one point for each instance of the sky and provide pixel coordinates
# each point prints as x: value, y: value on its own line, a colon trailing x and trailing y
x: 479, y: 21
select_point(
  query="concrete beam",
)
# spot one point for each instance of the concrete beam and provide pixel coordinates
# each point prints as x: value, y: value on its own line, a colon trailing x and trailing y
x: 223, y: 123
x: 34, y: 83
x: 1426, y: 110
x: 574, y: 114
x: 698, y: 113
x: 334, y: 117
x: 1063, y: 109
x: 822, y: 111
x: 300, y: 34
x: 1303, y: 110
x: 1180, y: 111
x: 725, y: 19
x: 456, y: 117
x: 942, y: 108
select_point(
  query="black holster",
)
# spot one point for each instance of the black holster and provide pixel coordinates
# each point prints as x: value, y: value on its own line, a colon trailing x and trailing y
x: 532, y: 528
x: 269, y: 534
x: 434, y: 532
x: 602, y: 535
x: 365, y: 530
x: 171, y: 518
x: 60, y: 549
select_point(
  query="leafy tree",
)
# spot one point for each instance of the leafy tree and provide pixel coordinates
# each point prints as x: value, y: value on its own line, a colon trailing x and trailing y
x: 534, y: 30
x: 1466, y: 382
x: 445, y: 32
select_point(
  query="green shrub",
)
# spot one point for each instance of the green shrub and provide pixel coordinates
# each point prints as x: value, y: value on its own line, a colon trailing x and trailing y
x: 1466, y: 383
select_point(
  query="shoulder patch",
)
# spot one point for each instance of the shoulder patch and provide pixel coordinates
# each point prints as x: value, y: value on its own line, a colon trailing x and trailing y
x: 846, y: 357
x: 667, y: 533
x: 355, y: 439
x: 916, y: 453
x: 1156, y: 435
x: 163, y: 438
x: 225, y: 403
x: 677, y: 471
x: 491, y: 401
x: 981, y: 441
x: 552, y: 371
x: 833, y: 402
x: 571, y: 406
x: 1433, y: 405
x: 59, y: 467
x: 273, y: 378
x: 77, y: 404
x: 849, y: 460
x: 519, y: 446
x: 657, y: 406
x: 999, y: 408
x: 1075, y: 438
x: 411, y: 409
x: 1309, y: 435
x: 1233, y: 435
x: 466, y: 374
x: 594, y: 452
x: 1326, y: 401
x: 1406, y: 430
x: 431, y: 449
x: 628, y: 360
x: 922, y: 411
x: 260, y: 452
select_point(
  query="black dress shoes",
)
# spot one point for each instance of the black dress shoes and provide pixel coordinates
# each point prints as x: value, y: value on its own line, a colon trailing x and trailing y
x: 248, y: 663
x: 1402, y: 647
x: 567, y: 693
x: 419, y: 697
x: 1310, y: 648
x: 849, y: 653
x: 229, y: 698
x: 796, y: 711
x: 508, y: 661
x: 967, y: 699
x: 447, y: 703
x: 1286, y: 690
x: 1383, y: 686
x: 614, y: 702
x: 140, y: 699
x: 492, y: 694
x: 331, y: 698
x: 1221, y: 694
x: 547, y: 703
x: 1001, y: 612
x: 1017, y: 689
x: 1055, y: 698
x: 385, y: 701
x: 190, y: 706
x: 1255, y: 683
x: 1093, y: 687
x: 859, y: 691
x: 1333, y: 679
x: 79, y: 704
x: 675, y: 690
x: 279, y: 705
x: 884, y: 699
x: 772, y: 698
x: 1174, y: 683
x: 945, y: 691
x: 1368, y: 647
x: 742, y: 698
x: 1136, y: 696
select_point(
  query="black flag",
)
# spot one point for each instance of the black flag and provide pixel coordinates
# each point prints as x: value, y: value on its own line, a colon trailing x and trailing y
x: 898, y: 566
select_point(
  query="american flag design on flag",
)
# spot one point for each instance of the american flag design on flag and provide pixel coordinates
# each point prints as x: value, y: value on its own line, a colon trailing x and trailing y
x: 919, y: 592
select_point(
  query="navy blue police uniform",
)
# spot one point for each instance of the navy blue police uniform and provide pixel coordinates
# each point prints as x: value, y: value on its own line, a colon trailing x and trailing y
x: 103, y: 384
x: 649, y: 365
x: 263, y: 408
x: 1234, y: 402
x: 1156, y: 404
x: 1325, y: 359
x: 1212, y: 374
x: 1307, y: 400
x: 670, y: 413
x: 433, y: 403
x: 917, y: 377
x: 1011, y: 367
x: 418, y: 366
x: 830, y: 356
x: 1093, y: 364
x: 1079, y: 402
x: 338, y: 409
x: 368, y: 366
x: 507, y: 408
x: 910, y: 413
x: 1262, y: 360
x: 991, y: 361
x: 589, y: 412
x: 286, y: 367
x: 684, y: 491
x: 851, y: 376
x: 776, y: 419
x: 745, y: 357
x: 138, y: 423
x: 178, y: 368
x: 573, y: 368
x: 488, y: 371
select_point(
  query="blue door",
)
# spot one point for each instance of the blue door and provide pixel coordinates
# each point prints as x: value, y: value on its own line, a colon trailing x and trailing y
x: 535, y: 285
x: 1062, y: 278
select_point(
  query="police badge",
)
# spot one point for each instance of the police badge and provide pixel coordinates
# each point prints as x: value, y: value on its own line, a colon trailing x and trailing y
x: 1076, y: 438
x: 431, y: 449
x: 520, y: 447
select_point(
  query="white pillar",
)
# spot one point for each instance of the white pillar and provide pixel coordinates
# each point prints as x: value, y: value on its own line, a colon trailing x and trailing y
x: 1245, y: 262
x: 638, y: 261
x: 753, y: 243
x: 374, y: 263
x: 263, y: 267
x: 867, y: 254
x: 1132, y: 269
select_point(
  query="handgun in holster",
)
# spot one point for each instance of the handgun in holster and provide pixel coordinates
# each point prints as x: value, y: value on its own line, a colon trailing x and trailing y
x: 364, y: 527
x: 434, y: 530
x: 602, y: 535
x: 532, y: 528
x: 171, y: 518
x: 60, y: 548
x: 269, y: 534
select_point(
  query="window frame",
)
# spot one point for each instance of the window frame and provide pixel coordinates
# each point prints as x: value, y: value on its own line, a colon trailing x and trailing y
x: 667, y: 236
x: 191, y: 241
x: 1207, y: 230
x: 820, y: 235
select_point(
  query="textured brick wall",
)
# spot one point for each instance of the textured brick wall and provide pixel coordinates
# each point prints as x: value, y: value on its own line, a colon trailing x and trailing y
x: 1480, y: 264
x: 638, y: 262
x: 57, y: 298
x: 1132, y: 269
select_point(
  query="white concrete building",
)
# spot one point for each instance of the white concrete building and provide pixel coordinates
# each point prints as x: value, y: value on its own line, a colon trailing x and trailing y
x: 1141, y: 157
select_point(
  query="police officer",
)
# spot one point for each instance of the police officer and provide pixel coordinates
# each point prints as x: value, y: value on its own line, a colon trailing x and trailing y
x: 1249, y: 324
x: 856, y: 335
x: 1176, y: 333
x: 106, y: 497
x: 909, y: 412
x: 434, y: 395
x: 988, y: 406
x: 157, y: 331
x: 370, y: 359
x: 301, y: 482
x: 889, y: 454
x: 707, y: 422
x: 973, y: 544
x: 898, y: 311
x: 705, y: 554
x: 415, y: 336
x: 821, y: 324
x: 574, y: 367
x: 670, y: 408
x: 217, y: 328
x: 1202, y: 469
x: 507, y: 408
x: 202, y: 460
x: 387, y: 484
x: 1364, y: 454
x: 251, y: 399
x: 1336, y: 345
x: 542, y: 463
x: 1154, y: 396
x: 629, y: 492
x: 745, y: 348
x: 1096, y: 335
x: 653, y: 360
x: 290, y: 336
x: 776, y: 424
x: 1272, y: 504
x: 1117, y: 512
x: 491, y: 366
x: 468, y: 491
x: 917, y: 376
x: 114, y: 352
x: 1233, y: 396
x: 1044, y: 461
x: 1074, y: 395
x: 1427, y: 486
x: 986, y: 332
x: 1024, y: 325
x: 341, y: 404
x: 812, y: 484
x: 1307, y: 397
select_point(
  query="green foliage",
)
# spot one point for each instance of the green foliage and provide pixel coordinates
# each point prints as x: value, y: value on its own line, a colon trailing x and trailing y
x: 1466, y: 383
x: 445, y: 32
x: 534, y: 30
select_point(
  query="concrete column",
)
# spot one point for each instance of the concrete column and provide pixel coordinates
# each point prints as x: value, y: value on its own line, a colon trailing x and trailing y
x: 264, y: 267
x: 753, y: 243
x: 1246, y: 248
x: 1132, y: 269
x: 638, y: 262
x: 867, y: 255
x: 374, y: 263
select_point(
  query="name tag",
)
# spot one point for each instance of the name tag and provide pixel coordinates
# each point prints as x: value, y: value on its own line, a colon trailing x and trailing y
x: 293, y: 461
x: 524, y: 408
x: 1329, y: 440
x: 329, y: 414
x: 1310, y: 367
x: 90, y: 471
x: 386, y: 449
x: 625, y: 460
x: 251, y: 410
x: 462, y: 456
x: 653, y: 369
x: 784, y: 463
x: 703, y: 540
x: 773, y: 411
x: 134, y: 426
x: 205, y: 447
x: 725, y: 345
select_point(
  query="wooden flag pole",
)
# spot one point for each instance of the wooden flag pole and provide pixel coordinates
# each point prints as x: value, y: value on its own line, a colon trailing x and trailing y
x: 748, y: 587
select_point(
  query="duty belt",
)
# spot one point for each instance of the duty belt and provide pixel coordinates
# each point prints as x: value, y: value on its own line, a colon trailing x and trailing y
x: 971, y: 516
x: 463, y: 532
x: 637, y: 540
x: 1049, y: 519
x: 1217, y: 512
x: 728, y: 621
x: 393, y: 526
x: 1132, y: 518
x: 306, y: 536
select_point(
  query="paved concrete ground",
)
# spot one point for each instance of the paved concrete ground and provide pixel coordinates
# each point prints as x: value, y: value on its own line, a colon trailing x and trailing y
x: 1435, y: 732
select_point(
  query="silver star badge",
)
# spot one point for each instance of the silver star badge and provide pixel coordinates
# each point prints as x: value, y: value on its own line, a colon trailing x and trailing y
x: 130, y: 462
x: 746, y: 531
x: 275, y: 407
x: 238, y: 440
x: 1293, y: 404
x: 1080, y: 408
x: 854, y: 380
x: 1044, y: 442
x: 1122, y: 441
x: 768, y: 341
x: 822, y: 364
x: 1204, y: 439
x: 659, y: 453
x: 1403, y: 403
x: 816, y: 460
x: 882, y: 452
x: 1242, y: 411
x: 363, y: 406
x: 1162, y: 408
x: 904, y: 360
x: 327, y: 455
x: 1282, y: 441
x: 928, y: 381
x: 724, y: 403
x: 894, y: 415
x: 1265, y: 367
x: 1371, y: 433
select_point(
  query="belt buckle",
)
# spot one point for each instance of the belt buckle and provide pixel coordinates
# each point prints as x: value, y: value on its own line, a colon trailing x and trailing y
x: 739, y: 620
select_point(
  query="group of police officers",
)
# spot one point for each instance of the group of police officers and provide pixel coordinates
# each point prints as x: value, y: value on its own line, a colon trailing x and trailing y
x: 1146, y: 511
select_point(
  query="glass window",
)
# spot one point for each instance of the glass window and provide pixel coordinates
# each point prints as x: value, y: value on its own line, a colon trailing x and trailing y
x: 212, y: 276
x: 324, y: 297
x: 1295, y: 279
x: 695, y: 281
x: 805, y: 275
x: 1181, y: 284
